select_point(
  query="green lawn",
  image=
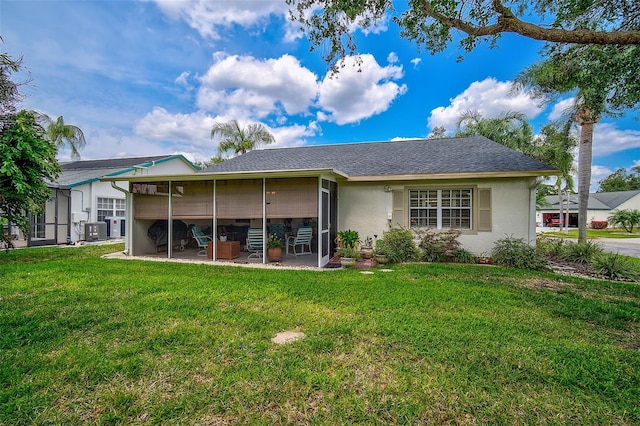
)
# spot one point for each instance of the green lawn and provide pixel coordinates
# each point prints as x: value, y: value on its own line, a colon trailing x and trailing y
x: 595, y: 233
x: 103, y: 341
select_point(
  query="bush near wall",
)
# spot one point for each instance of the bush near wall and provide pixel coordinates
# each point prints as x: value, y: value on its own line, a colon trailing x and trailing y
x: 598, y: 224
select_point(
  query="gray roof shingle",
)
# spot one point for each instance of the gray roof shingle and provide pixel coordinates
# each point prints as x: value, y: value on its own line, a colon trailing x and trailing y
x: 82, y: 171
x: 597, y: 200
x: 475, y: 154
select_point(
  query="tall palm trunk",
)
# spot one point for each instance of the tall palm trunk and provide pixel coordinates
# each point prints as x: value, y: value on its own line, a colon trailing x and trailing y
x: 585, y: 154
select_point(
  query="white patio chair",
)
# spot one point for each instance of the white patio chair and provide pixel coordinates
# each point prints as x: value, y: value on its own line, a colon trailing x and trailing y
x: 302, y: 239
x: 255, y: 243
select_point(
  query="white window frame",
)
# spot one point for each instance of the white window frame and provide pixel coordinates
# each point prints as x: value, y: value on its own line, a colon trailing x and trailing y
x: 440, y: 204
x: 116, y: 207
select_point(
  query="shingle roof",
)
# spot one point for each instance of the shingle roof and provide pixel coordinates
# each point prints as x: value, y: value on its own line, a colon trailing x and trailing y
x: 84, y: 171
x: 475, y: 154
x: 614, y: 199
x: 597, y: 200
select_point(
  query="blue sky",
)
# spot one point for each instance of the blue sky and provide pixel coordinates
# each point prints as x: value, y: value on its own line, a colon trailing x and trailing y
x: 151, y: 77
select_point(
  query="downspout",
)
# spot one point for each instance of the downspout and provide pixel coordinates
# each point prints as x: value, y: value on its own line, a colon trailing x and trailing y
x: 129, y: 223
x: 264, y: 220
x: 532, y: 210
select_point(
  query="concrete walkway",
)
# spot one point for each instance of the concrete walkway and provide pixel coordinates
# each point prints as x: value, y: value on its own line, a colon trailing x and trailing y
x: 625, y: 246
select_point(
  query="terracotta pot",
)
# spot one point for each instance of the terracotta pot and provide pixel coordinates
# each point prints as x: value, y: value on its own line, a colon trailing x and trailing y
x: 367, y: 252
x: 275, y: 254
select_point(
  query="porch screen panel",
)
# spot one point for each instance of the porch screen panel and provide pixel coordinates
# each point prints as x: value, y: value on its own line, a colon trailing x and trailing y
x: 150, y: 200
x: 192, y: 200
x: 239, y: 199
x: 292, y: 198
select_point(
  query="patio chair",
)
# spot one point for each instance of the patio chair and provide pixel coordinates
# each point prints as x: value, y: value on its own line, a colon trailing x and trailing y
x: 302, y: 239
x: 255, y: 243
x: 202, y: 239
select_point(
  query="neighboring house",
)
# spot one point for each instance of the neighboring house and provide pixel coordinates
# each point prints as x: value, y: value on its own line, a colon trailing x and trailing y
x: 79, y: 198
x: 473, y: 184
x: 599, y: 207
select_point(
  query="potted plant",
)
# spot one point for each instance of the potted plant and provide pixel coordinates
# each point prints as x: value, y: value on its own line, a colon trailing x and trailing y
x: 366, y: 249
x: 274, y: 248
x: 349, y: 238
x: 381, y: 253
x: 349, y: 256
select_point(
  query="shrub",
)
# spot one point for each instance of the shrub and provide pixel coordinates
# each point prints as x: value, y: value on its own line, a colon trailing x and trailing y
x: 464, y: 256
x: 615, y: 266
x: 552, y: 247
x: 598, y: 224
x: 516, y: 253
x: 627, y: 218
x: 399, y: 246
x: 438, y: 246
x: 581, y: 252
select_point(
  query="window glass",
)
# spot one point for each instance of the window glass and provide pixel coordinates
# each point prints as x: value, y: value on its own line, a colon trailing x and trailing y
x: 441, y: 208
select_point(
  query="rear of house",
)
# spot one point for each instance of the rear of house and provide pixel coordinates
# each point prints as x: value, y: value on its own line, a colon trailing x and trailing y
x: 483, y: 189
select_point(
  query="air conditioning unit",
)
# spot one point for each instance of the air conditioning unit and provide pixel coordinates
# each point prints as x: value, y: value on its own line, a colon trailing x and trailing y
x: 115, y: 227
x: 95, y: 231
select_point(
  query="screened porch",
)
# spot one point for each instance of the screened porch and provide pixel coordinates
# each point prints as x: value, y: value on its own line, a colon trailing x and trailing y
x: 165, y: 214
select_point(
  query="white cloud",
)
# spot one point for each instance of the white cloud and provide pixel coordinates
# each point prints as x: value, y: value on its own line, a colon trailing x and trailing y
x: 561, y: 108
x: 416, y: 62
x: 392, y: 58
x: 489, y: 97
x: 161, y: 125
x: 361, y: 89
x: 183, y: 79
x: 247, y: 87
x: 608, y: 139
x: 210, y: 18
x: 294, y: 135
x: 378, y: 26
x: 192, y: 132
x: 597, y: 174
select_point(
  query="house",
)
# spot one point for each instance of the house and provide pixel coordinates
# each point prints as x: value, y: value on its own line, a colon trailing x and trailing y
x: 79, y: 198
x: 473, y: 184
x: 599, y: 207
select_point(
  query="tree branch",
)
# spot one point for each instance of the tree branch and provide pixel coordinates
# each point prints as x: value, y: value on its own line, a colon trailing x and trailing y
x: 509, y: 23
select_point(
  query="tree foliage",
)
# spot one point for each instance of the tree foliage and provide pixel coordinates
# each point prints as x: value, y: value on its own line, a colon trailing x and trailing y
x: 434, y: 24
x: 62, y: 134
x: 27, y: 159
x: 240, y: 139
x: 511, y: 129
x: 603, y: 79
x: 9, y: 93
x: 627, y: 218
x: 621, y: 180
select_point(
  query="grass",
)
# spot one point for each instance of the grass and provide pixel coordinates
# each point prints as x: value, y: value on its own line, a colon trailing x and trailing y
x: 103, y: 341
x: 594, y: 233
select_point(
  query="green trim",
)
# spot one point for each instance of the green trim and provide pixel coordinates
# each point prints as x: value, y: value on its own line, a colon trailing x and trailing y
x: 131, y: 169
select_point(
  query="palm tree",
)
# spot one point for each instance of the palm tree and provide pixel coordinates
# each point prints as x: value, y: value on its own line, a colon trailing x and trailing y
x: 511, y: 129
x: 238, y: 139
x: 583, y: 72
x: 556, y: 147
x: 60, y: 133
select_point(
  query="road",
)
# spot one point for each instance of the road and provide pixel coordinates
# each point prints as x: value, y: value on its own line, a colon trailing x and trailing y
x: 626, y: 246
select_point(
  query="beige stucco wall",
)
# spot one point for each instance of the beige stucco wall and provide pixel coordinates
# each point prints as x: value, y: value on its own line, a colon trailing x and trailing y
x: 366, y: 207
